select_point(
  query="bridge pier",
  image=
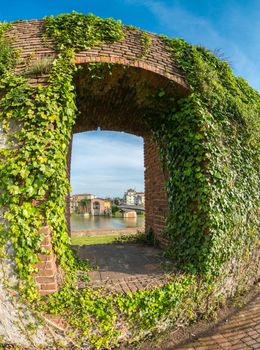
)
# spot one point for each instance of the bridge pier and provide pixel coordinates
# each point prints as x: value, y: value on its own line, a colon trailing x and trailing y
x: 130, y: 214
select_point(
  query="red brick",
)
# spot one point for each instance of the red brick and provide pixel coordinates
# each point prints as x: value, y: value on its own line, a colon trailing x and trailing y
x: 47, y: 292
x: 45, y: 257
x: 28, y: 38
x: 46, y: 241
x: 45, y: 279
x: 46, y: 264
x: 155, y: 192
x: 47, y: 247
x: 49, y: 287
x: 45, y: 230
x: 47, y: 272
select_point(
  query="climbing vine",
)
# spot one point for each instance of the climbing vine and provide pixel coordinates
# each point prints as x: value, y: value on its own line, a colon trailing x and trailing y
x: 146, y: 42
x: 6, y: 52
x: 82, y: 32
x: 212, y: 138
x: 208, y: 142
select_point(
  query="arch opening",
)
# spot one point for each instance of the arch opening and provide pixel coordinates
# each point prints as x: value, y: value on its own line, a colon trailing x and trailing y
x: 120, y: 98
x: 104, y: 166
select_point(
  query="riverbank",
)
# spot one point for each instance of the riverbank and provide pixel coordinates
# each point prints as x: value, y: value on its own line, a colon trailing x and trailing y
x: 79, y: 222
x: 108, y: 232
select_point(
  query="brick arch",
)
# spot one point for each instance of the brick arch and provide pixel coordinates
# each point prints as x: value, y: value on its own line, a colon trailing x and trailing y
x: 156, y: 67
x: 137, y: 63
x: 124, y: 85
x: 27, y: 37
x: 156, y: 201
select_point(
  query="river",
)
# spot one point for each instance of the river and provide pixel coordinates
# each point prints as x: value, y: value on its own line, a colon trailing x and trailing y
x: 81, y: 222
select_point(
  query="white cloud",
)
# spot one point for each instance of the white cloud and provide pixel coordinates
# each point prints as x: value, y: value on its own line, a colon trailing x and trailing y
x: 177, y: 21
x: 106, y: 163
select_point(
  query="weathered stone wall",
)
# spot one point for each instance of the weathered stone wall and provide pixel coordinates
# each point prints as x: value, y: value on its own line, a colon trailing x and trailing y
x: 14, y: 316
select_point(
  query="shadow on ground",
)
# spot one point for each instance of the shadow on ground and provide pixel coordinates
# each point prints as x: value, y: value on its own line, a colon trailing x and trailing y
x: 125, y: 267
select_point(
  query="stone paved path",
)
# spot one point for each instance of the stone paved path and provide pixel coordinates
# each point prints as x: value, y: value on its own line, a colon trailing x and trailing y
x: 128, y: 267
x: 124, y: 267
x: 241, y: 331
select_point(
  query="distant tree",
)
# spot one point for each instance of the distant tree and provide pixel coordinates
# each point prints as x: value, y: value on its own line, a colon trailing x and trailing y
x: 117, y: 200
x: 84, y: 203
x: 114, y: 209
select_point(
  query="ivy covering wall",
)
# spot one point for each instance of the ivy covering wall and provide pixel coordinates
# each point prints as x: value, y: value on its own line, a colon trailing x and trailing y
x: 208, y: 143
x: 212, y: 140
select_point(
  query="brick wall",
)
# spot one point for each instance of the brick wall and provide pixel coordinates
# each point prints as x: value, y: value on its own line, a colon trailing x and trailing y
x: 27, y: 37
x: 47, y: 276
x: 157, y: 68
x: 156, y: 202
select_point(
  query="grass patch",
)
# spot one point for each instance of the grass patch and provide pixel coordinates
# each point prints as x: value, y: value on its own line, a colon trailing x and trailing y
x: 39, y: 67
x: 138, y: 238
x: 93, y: 240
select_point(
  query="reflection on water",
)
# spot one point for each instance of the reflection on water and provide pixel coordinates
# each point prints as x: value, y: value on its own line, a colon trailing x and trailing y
x: 81, y: 222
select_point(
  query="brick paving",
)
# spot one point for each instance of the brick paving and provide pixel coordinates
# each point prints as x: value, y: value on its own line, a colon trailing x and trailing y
x: 125, y: 267
x: 241, y: 331
x: 129, y: 267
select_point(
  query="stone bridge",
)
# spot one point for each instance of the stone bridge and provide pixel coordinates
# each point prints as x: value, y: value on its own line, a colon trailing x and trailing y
x: 131, y: 207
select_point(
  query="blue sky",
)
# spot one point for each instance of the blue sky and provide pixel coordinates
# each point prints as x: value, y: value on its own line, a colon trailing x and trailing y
x: 107, y: 163
x: 231, y: 26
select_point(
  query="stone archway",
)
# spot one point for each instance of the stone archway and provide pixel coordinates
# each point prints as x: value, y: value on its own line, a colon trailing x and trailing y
x: 96, y: 207
x: 27, y: 36
x: 136, y: 77
x: 207, y: 142
x: 119, y: 102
